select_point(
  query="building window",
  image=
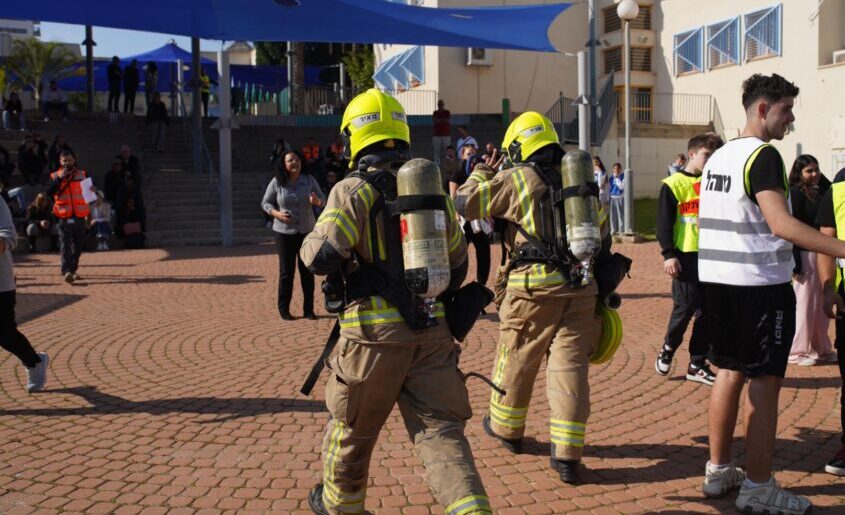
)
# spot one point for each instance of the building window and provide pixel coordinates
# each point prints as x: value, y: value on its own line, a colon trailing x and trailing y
x: 13, y: 30
x: 612, y: 60
x: 612, y: 22
x: 688, y: 55
x: 723, y: 43
x: 640, y: 60
x: 762, y: 33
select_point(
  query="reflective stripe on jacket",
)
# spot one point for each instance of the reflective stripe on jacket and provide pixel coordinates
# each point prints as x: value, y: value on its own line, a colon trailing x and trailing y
x: 68, y: 200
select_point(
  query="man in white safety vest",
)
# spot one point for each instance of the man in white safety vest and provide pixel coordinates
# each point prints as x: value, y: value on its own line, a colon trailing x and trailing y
x: 746, y: 234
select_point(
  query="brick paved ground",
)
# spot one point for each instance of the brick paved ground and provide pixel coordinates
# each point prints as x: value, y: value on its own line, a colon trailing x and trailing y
x: 173, y: 389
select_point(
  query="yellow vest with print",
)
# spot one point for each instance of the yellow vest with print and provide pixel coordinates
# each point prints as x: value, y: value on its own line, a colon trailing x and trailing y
x: 686, y: 190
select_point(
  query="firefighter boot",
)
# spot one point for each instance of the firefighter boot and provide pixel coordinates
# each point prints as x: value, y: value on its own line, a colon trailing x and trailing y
x: 315, y: 500
x: 568, y: 470
x: 513, y: 445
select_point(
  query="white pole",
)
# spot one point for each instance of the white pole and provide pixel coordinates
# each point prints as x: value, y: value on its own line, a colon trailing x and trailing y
x: 225, y: 133
x: 583, y: 102
x: 629, y: 181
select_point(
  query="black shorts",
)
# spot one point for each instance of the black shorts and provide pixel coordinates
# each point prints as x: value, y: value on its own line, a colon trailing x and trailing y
x: 750, y: 328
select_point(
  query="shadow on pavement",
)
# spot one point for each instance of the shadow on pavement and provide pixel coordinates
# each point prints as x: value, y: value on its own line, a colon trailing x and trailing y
x: 634, y: 296
x: 233, y: 408
x: 170, y: 279
x: 31, y: 306
x: 216, y: 252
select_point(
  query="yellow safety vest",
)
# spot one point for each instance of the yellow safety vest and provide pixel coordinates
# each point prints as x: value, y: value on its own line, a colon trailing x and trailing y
x: 686, y: 190
x: 838, y: 190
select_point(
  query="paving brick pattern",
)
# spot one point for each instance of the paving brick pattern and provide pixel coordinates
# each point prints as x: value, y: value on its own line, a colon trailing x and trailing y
x: 174, y: 389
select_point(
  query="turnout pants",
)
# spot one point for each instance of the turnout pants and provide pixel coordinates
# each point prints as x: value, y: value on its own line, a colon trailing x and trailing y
x: 686, y: 300
x: 423, y: 378
x: 565, y: 330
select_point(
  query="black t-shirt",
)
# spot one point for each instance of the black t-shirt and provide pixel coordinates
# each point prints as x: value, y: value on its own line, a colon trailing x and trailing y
x: 767, y: 173
x: 826, y: 217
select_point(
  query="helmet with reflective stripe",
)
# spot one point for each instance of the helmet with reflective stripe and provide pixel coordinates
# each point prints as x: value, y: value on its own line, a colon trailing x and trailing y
x: 527, y: 134
x: 611, y: 335
x: 371, y: 117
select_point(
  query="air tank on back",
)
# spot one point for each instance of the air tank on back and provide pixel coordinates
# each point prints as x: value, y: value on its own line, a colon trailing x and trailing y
x: 583, y: 234
x: 425, y: 248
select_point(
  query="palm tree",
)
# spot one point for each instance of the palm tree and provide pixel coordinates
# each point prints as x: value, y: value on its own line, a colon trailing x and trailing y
x: 34, y: 62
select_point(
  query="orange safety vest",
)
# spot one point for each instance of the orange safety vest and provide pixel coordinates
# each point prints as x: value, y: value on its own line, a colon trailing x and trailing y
x: 68, y: 200
x: 311, y: 151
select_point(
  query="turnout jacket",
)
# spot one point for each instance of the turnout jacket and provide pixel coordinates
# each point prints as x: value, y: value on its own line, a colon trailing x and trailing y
x: 344, y: 231
x: 520, y: 196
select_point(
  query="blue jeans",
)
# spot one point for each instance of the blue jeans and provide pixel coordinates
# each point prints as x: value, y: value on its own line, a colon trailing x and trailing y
x: 7, y: 118
x: 617, y: 214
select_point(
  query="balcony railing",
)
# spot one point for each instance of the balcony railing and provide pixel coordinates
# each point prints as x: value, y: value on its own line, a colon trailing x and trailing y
x: 668, y: 108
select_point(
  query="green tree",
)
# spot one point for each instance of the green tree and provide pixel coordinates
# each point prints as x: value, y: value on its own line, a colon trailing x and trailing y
x: 271, y: 53
x: 360, y: 65
x: 35, y: 62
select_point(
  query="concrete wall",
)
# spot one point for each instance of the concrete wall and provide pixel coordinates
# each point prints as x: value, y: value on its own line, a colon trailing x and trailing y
x: 820, y: 108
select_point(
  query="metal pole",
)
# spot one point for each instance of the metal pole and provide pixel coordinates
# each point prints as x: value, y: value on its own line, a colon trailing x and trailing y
x: 591, y: 13
x: 180, y: 87
x: 342, y: 71
x: 290, y: 77
x: 196, y: 108
x: 629, y: 181
x: 583, y: 103
x: 175, y: 80
x: 89, y: 65
x: 225, y: 128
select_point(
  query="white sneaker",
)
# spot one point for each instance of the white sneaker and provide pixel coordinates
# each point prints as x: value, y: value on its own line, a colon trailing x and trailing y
x: 37, y: 375
x: 806, y: 361
x: 69, y: 277
x: 717, y: 484
x: 769, y: 498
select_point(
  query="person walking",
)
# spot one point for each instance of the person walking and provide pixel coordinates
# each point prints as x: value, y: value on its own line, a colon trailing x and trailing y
x: 831, y: 220
x: 158, y: 120
x: 442, y: 138
x: 545, y: 311
x: 746, y: 233
x: 811, y: 344
x: 289, y: 199
x: 11, y: 339
x: 71, y: 210
x: 617, y: 200
x: 131, y: 81
x: 677, y: 233
x: 389, y: 352
x: 150, y: 81
x: 115, y: 77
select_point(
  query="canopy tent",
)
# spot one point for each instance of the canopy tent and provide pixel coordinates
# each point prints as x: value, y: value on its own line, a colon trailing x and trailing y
x: 169, y: 53
x: 271, y: 78
x: 348, y: 21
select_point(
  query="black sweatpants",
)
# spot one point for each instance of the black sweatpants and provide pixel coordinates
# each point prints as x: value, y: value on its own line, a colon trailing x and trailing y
x: 686, y: 300
x: 10, y: 338
x: 129, y: 101
x: 481, y: 242
x: 114, y: 99
x: 839, y: 343
x: 288, y: 247
x: 71, y: 241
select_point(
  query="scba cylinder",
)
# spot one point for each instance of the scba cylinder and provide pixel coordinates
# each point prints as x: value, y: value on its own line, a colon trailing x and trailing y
x: 425, y: 247
x: 581, y: 208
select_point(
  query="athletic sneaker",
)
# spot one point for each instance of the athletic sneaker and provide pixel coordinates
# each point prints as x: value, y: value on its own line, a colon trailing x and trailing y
x: 69, y: 277
x: 664, y: 361
x: 837, y: 464
x: 37, y: 375
x: 701, y: 374
x: 771, y: 498
x: 717, y: 484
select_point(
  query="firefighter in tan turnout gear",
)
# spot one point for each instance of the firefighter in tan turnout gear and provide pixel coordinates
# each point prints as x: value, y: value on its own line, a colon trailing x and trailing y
x: 546, y: 309
x: 393, y: 347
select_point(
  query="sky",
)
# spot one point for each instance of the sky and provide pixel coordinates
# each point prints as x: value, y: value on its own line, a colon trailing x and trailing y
x: 117, y: 42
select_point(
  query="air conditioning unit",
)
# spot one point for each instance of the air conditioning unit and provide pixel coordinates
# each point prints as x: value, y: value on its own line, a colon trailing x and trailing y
x: 479, y: 57
x: 839, y: 56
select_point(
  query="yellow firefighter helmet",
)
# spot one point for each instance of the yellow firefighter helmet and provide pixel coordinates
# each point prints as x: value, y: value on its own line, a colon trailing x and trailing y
x: 371, y: 117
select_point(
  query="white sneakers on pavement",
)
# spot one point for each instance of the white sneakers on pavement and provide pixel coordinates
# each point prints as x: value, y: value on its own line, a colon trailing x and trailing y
x: 719, y: 482
x: 36, y: 376
x: 771, y: 499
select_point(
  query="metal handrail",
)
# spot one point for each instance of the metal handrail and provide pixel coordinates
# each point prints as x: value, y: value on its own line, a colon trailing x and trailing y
x: 206, y: 161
